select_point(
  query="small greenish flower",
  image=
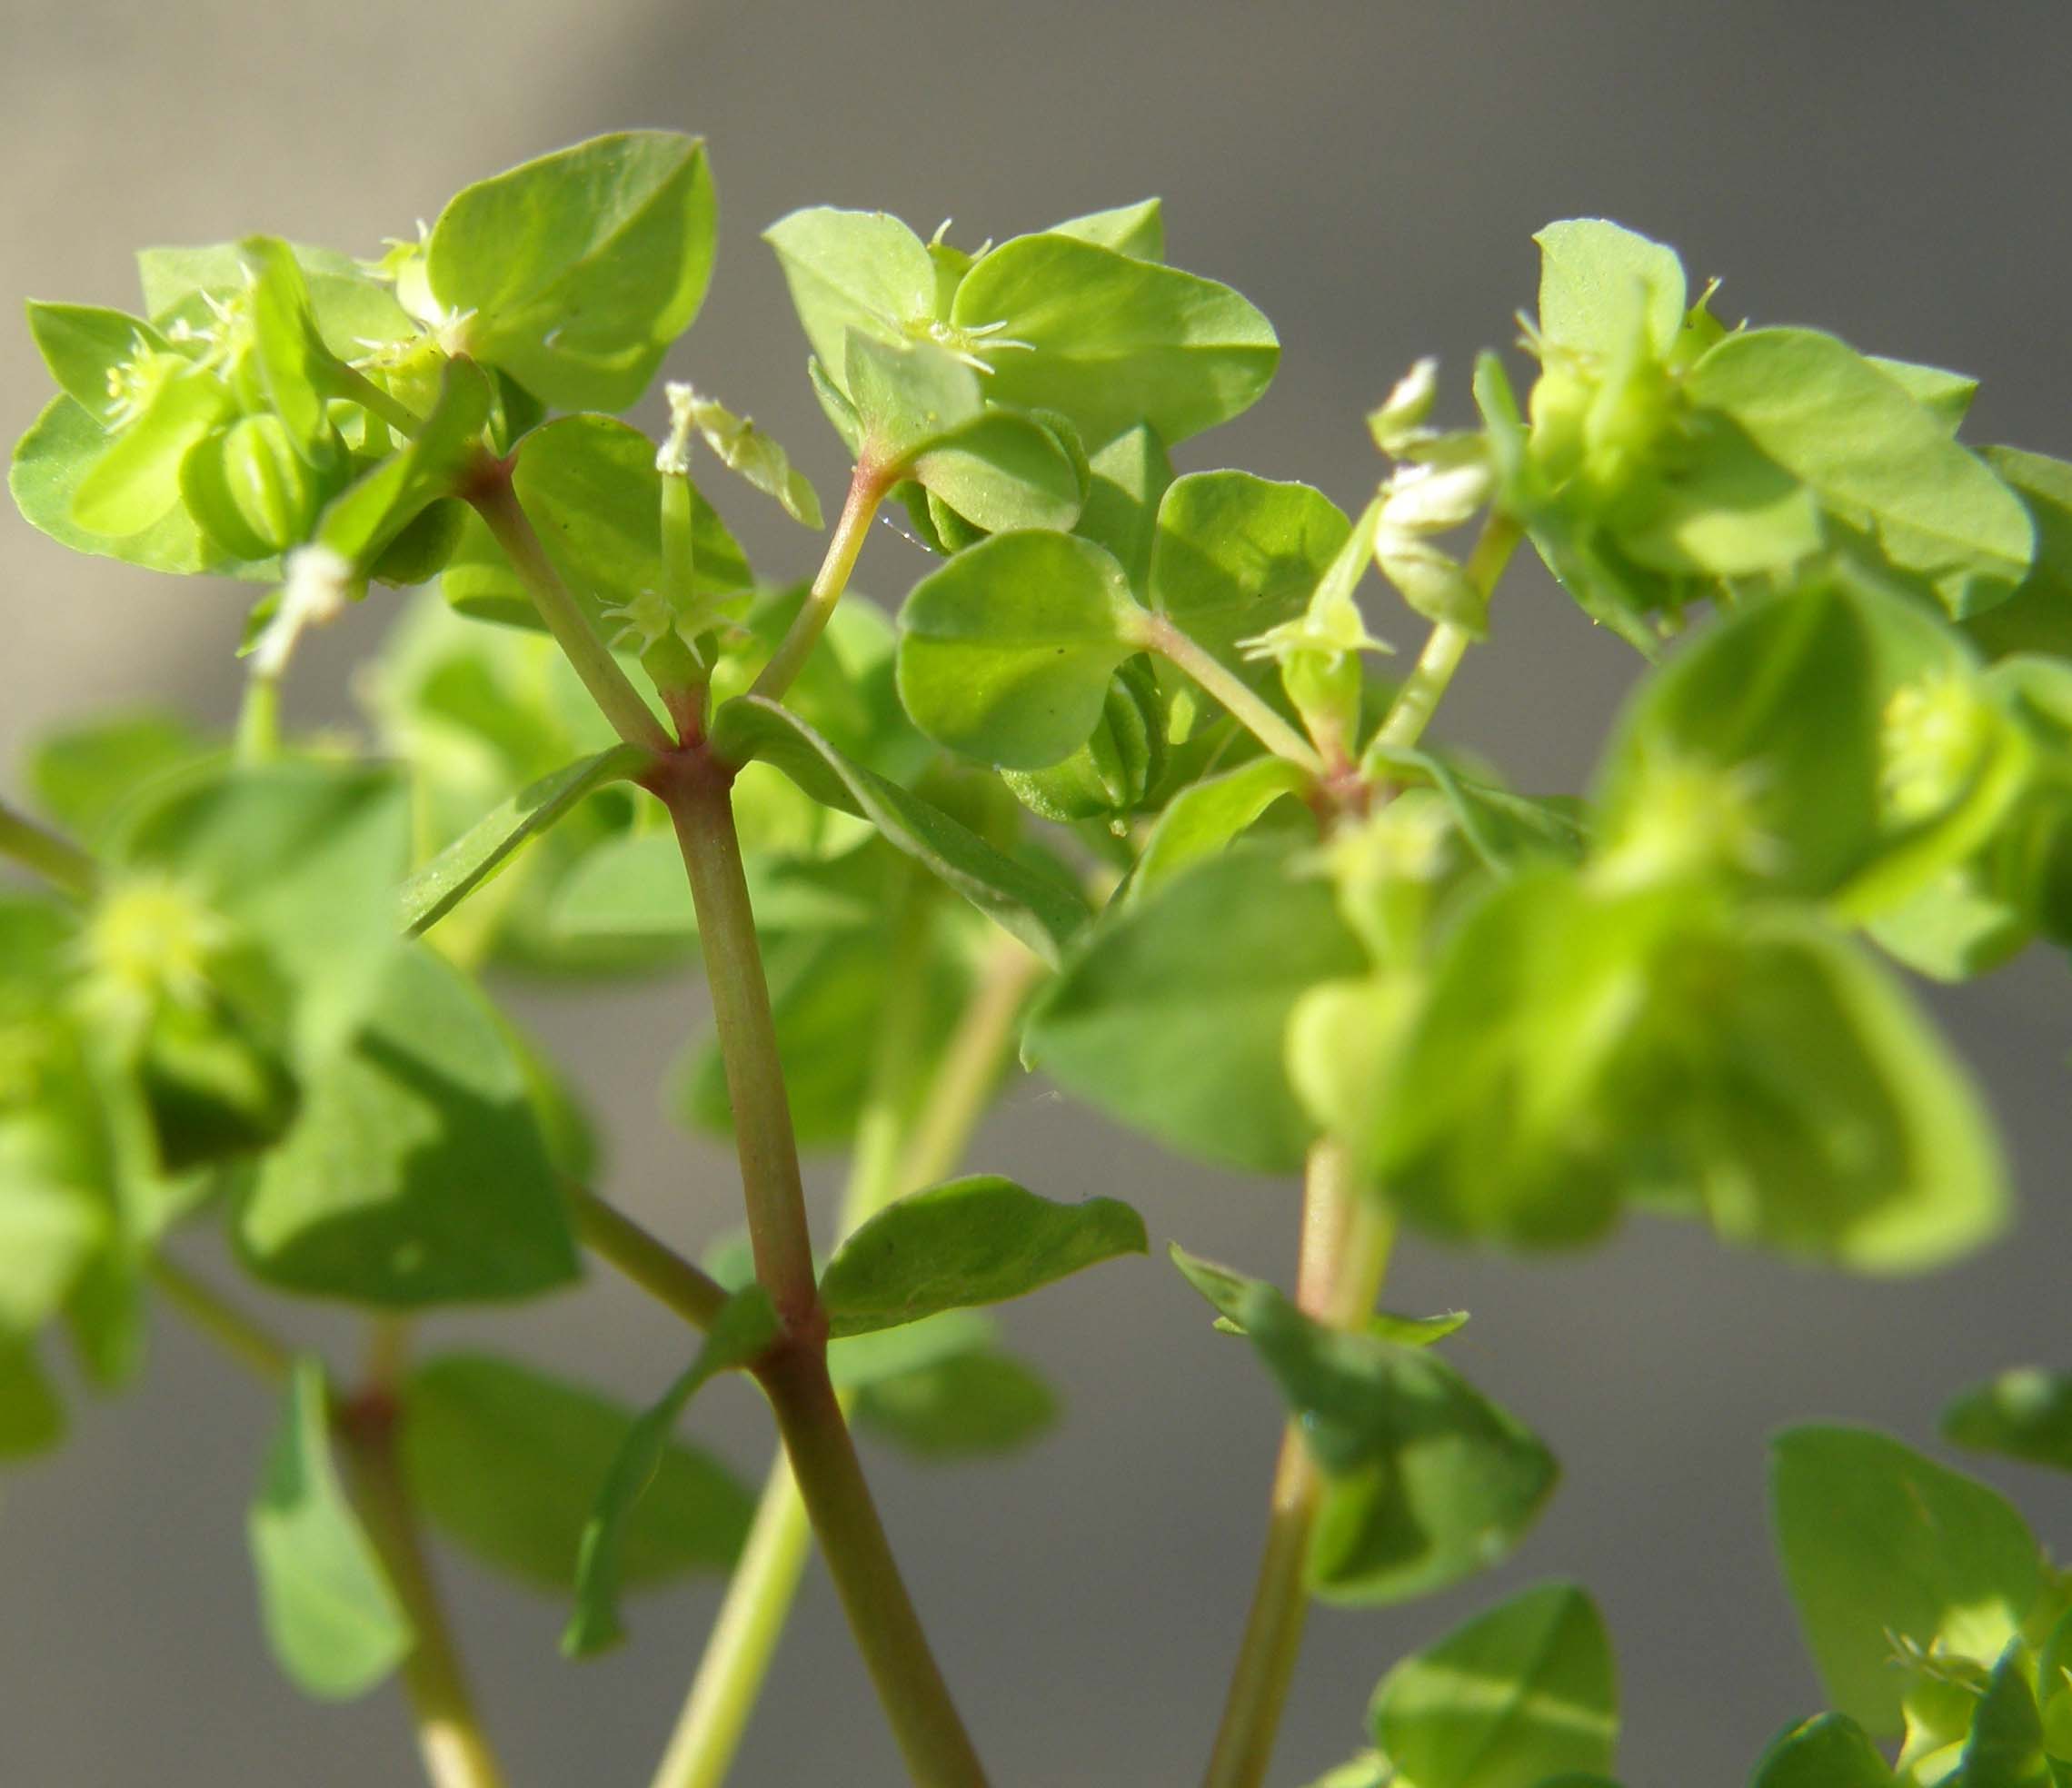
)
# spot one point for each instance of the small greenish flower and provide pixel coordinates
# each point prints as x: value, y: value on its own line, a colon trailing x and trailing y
x: 1932, y: 736
x: 1688, y: 821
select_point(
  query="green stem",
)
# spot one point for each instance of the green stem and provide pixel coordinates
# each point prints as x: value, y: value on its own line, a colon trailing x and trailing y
x: 701, y: 805
x: 258, y: 736
x: 1346, y: 1241
x: 743, y: 1641
x: 350, y: 383
x: 497, y: 504
x: 56, y: 859
x: 650, y: 1264
x: 1156, y: 633
x: 1447, y: 644
x: 888, y: 1632
x: 867, y: 489
x: 450, y: 1737
x: 241, y: 1338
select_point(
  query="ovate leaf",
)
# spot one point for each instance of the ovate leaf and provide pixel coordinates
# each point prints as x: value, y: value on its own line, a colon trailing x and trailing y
x: 1172, y: 1017
x: 506, y: 1460
x: 332, y: 1617
x: 965, y: 1406
x: 1596, y: 279
x: 581, y: 267
x: 1005, y: 652
x: 1518, y: 1695
x: 1830, y: 1751
x: 852, y: 270
x: 1880, y: 1546
x: 1113, y: 341
x: 975, y: 1241
x: 1883, y: 465
x: 417, y: 1172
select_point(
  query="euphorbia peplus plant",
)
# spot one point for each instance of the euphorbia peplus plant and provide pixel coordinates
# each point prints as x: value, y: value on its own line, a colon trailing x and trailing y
x: 1127, y: 788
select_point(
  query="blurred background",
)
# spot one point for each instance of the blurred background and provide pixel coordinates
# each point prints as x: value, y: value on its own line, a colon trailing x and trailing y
x: 1369, y: 173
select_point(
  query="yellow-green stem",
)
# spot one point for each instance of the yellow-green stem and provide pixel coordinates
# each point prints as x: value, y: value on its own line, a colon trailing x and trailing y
x: 58, y: 860
x: 649, y: 1263
x: 237, y: 1334
x: 1156, y: 633
x: 793, y: 1374
x: 1449, y: 641
x: 497, y: 504
x: 1346, y: 1241
x: 867, y: 489
x: 886, y: 1165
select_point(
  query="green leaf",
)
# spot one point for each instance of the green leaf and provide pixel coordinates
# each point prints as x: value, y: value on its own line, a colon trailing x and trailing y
x: 1945, y: 395
x: 2005, y: 1749
x: 303, y: 856
x: 135, y: 483
x: 417, y: 1172
x: 82, y: 344
x: 2038, y: 618
x: 590, y: 486
x: 1236, y: 555
x: 1882, y: 1546
x: 1043, y: 914
x: 506, y: 1460
x: 332, y: 1617
x: 1596, y: 279
x: 54, y: 1215
x: 1005, y: 652
x: 1172, y: 1016
x: 1111, y: 340
x: 999, y: 470
x: 1716, y: 507
x: 862, y: 1361
x: 1136, y: 230
x: 354, y: 308
x: 31, y: 1419
x: 448, y: 878
x: 1882, y: 464
x: 362, y: 523
x: 1829, y: 1751
x: 299, y: 372
x: 50, y: 464
x: 1815, y: 1110
x: 1126, y: 480
x: 1203, y: 818
x: 854, y: 269
x: 1429, y: 1482
x: 581, y: 267
x: 1369, y: 1770
x: 85, y: 771
x: 1507, y: 831
x: 744, y: 449
x: 970, y: 1242
x: 966, y: 1405
x: 1524, y: 1691
x: 2024, y: 1413
x: 905, y: 396
x: 744, y: 1328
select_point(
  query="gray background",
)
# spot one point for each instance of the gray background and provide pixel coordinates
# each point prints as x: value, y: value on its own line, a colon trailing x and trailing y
x: 1370, y: 174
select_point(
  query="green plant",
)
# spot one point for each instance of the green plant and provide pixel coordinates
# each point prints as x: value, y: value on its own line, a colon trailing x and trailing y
x: 1128, y: 785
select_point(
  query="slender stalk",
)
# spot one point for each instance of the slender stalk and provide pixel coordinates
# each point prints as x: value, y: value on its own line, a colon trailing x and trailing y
x: 867, y: 489
x: 450, y: 1737
x: 497, y: 504
x: 649, y: 1263
x: 1159, y: 635
x: 1448, y: 643
x: 56, y: 859
x: 237, y: 1334
x: 978, y: 1049
x: 351, y: 383
x: 743, y: 1641
x: 701, y: 805
x: 1346, y: 1240
x: 258, y: 735
x: 888, y: 1632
